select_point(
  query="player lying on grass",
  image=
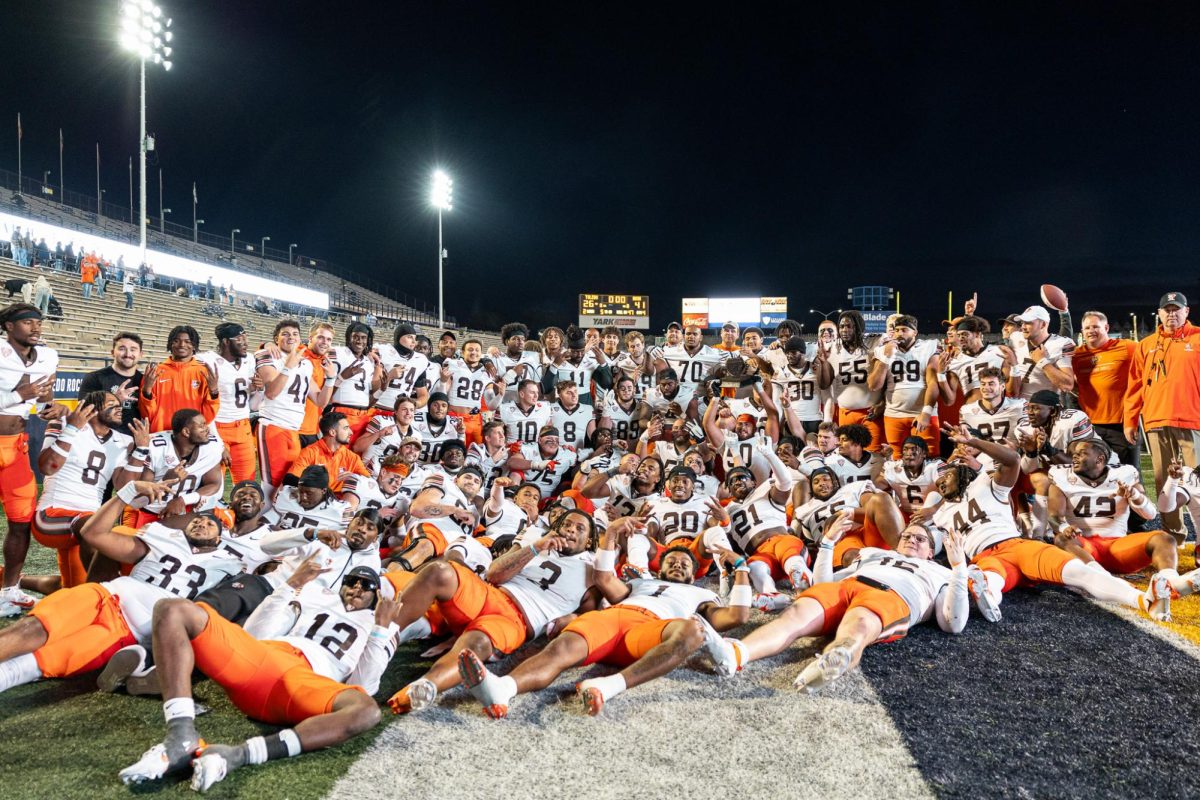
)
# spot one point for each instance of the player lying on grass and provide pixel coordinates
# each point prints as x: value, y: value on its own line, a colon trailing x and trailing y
x: 877, y: 598
x: 309, y: 657
x: 653, y: 625
x: 77, y: 630
x: 1090, y: 501
x: 977, y: 507
x: 525, y: 592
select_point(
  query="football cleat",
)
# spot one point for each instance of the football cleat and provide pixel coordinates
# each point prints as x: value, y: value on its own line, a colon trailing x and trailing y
x: 15, y: 595
x: 146, y: 683
x: 801, y: 579
x: 629, y: 572
x: 1191, y: 583
x: 210, y: 766
x: 771, y: 602
x: 1156, y: 600
x: 592, y: 697
x: 420, y: 694
x: 123, y: 663
x: 156, y: 763
x: 825, y: 669
x: 728, y: 655
x: 475, y: 676
x: 977, y: 585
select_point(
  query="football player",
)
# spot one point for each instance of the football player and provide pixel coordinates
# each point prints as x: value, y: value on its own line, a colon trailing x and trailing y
x: 910, y: 479
x: 235, y: 384
x: 906, y: 370
x: 359, y: 376
x: 525, y: 414
x: 845, y: 370
x: 1043, y: 358
x: 405, y: 370
x: 544, y: 463
x: 471, y: 385
x: 877, y: 518
x: 995, y: 415
x: 190, y: 452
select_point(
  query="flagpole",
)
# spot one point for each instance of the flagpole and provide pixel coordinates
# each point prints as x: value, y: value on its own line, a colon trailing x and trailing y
x: 131, y: 188
x: 61, y: 189
x: 19, y: 135
x: 99, y: 204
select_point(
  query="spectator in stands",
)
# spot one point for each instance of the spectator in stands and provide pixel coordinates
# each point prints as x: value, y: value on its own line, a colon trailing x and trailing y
x: 59, y: 256
x: 127, y: 288
x: 42, y: 294
x: 15, y: 242
x: 101, y: 277
x: 87, y: 273
x: 119, y: 276
x: 42, y: 252
x: 208, y: 289
x: 122, y: 377
x: 143, y: 272
x: 68, y: 257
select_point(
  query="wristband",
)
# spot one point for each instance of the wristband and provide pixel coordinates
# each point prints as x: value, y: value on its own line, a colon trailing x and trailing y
x: 533, y: 549
x: 740, y: 562
x: 740, y: 596
x: 54, y: 448
x: 380, y: 634
x: 68, y: 431
x: 191, y: 498
x: 927, y: 410
x: 825, y: 545
x: 1041, y: 364
x: 10, y: 399
x: 723, y: 523
x: 127, y: 493
x: 606, y: 561
x: 743, y: 568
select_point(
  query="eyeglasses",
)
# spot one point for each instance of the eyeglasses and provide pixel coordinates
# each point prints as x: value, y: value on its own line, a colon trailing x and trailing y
x: 916, y: 537
x: 362, y: 583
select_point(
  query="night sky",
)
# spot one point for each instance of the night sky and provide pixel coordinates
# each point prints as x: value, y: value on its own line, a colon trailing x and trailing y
x: 664, y: 149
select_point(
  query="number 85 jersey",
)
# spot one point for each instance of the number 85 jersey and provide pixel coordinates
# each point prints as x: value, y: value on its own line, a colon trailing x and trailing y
x: 171, y: 568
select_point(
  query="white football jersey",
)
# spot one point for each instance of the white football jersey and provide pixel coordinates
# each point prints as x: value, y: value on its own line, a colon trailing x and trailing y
x: 233, y: 385
x: 13, y: 369
x: 550, y: 586
x: 572, y: 425
x: 287, y: 512
x: 467, y: 385
x: 621, y: 495
x: 813, y: 515
x: 491, y: 465
x: 910, y: 490
x: 79, y: 484
x: 354, y: 391
x: 163, y: 459
x: 851, y: 472
x: 401, y: 375
x: 744, y: 453
x: 550, y: 477
x: 667, y: 452
x: 1032, y: 378
x: 800, y: 387
x: 621, y: 418
x: 433, y: 436
x: 248, y: 547
x: 1096, y: 510
x: 905, y: 385
x: 473, y: 553
x: 510, y: 521
x: 506, y: 367
x: 667, y: 599
x: 692, y: 367
x: 170, y: 569
x: 386, y: 445
x: 982, y: 515
x: 997, y: 425
x: 644, y: 381
x: 523, y: 426
x: 966, y: 367
x: 1189, y: 486
x: 369, y: 494
x: 331, y: 638
x: 1071, y: 425
x: 286, y: 409
x: 580, y: 373
x: 757, y: 513
x: 918, y: 581
x: 850, y: 371
x: 450, y: 528
x: 677, y: 520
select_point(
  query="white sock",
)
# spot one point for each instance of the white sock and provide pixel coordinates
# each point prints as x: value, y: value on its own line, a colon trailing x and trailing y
x: 760, y: 577
x: 178, y: 707
x: 1181, y: 583
x: 1041, y: 509
x: 19, y: 671
x: 1098, y: 567
x: 419, y: 629
x: 795, y: 563
x: 637, y: 551
x: 502, y: 687
x: 609, y: 686
x: 1102, y: 587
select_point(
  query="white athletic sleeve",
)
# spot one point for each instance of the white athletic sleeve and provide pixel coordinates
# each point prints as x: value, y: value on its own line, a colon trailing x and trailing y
x: 381, y: 646
x: 954, y: 608
x: 276, y: 543
x: 275, y: 616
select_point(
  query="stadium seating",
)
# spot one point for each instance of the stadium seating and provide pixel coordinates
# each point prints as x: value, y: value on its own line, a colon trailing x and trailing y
x: 83, y: 337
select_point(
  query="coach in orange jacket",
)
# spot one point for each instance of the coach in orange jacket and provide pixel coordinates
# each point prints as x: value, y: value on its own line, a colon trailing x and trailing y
x: 179, y: 382
x: 1164, y: 389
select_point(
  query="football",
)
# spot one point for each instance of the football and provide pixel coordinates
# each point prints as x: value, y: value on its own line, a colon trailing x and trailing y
x: 1054, y: 297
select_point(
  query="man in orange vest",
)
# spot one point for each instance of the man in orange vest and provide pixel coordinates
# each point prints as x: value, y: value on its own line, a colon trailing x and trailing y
x: 1163, y: 377
x: 88, y: 271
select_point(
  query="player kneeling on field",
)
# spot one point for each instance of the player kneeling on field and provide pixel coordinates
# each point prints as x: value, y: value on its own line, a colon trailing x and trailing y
x: 308, y: 656
x: 875, y: 599
x: 1090, y: 501
x: 653, y: 625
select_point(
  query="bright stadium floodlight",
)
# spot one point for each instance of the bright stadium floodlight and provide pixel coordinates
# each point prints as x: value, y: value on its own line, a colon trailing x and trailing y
x: 146, y: 33
x: 262, y: 251
x: 441, y: 197
x: 825, y: 314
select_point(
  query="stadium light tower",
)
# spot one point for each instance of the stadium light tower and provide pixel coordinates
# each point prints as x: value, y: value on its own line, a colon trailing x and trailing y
x: 233, y: 233
x: 262, y: 251
x: 146, y: 33
x: 291, y: 247
x: 441, y: 197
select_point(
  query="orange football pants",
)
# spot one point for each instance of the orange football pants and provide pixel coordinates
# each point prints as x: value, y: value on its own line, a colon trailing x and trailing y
x: 858, y: 416
x: 1121, y: 555
x: 278, y: 448
x: 840, y: 596
x: 239, y: 438
x: 84, y: 627
x: 52, y: 528
x: 897, y: 429
x: 479, y: 606
x: 18, y: 488
x: 1024, y: 561
x: 619, y: 635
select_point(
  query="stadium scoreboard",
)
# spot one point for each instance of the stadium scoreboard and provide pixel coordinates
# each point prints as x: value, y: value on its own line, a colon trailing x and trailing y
x: 617, y: 310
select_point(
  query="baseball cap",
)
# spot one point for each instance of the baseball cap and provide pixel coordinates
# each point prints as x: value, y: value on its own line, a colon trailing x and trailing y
x: 412, y: 438
x: 1032, y: 313
x: 1173, y: 299
x: 686, y: 472
x: 1011, y: 319
x: 1046, y: 397
x: 675, y: 325
x: 730, y: 326
x: 315, y: 476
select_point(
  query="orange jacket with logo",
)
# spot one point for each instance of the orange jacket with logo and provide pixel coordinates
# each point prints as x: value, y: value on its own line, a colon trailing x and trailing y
x: 1164, y: 380
x: 1101, y: 377
x: 179, y: 384
x: 344, y: 460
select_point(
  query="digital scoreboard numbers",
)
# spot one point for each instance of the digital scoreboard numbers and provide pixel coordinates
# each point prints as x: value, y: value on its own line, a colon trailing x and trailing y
x: 617, y: 310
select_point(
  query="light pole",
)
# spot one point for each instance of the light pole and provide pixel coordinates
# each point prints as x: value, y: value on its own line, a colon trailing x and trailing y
x: 291, y: 247
x: 231, y: 243
x: 825, y: 314
x: 196, y: 223
x: 441, y: 197
x: 146, y: 32
x: 262, y: 252
x: 162, y: 220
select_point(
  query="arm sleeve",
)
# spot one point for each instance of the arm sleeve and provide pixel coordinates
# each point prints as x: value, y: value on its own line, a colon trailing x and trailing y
x: 952, y: 606
x: 381, y: 646
x: 276, y: 543
x: 275, y: 616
